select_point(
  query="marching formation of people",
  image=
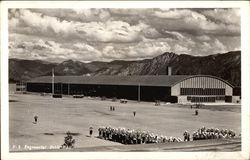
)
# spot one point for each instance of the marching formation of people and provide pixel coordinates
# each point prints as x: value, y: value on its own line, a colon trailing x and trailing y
x: 212, y: 133
x: 128, y: 136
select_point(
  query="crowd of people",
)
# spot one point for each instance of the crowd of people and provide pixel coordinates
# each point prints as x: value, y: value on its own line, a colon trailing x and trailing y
x: 128, y: 136
x: 213, y: 133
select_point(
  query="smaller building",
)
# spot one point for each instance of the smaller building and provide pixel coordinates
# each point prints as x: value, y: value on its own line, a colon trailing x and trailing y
x: 20, y: 87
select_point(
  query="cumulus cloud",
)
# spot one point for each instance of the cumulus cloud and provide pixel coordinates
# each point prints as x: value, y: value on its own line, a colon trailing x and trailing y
x: 187, y: 20
x: 109, y: 52
x: 149, y: 32
x: 83, y: 46
x: 76, y: 14
x: 220, y: 46
x: 32, y: 23
x: 148, y: 48
x: 110, y: 31
x: 174, y: 35
x: 178, y: 14
x: 40, y: 50
x: 227, y: 16
x: 181, y: 49
x: 130, y: 11
x: 91, y: 34
x: 212, y: 46
x: 203, y: 38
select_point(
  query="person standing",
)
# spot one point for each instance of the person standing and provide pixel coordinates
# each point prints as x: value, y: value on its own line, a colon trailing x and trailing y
x: 100, y: 132
x: 134, y: 113
x: 90, y: 131
x: 35, y: 118
x: 187, y: 136
x: 196, y: 112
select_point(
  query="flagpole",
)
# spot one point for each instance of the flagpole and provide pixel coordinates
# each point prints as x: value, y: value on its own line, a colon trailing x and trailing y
x: 139, y: 93
x: 61, y: 88
x: 53, y: 81
x: 68, y: 88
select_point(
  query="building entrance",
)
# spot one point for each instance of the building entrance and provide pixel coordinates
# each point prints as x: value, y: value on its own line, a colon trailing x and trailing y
x: 202, y: 99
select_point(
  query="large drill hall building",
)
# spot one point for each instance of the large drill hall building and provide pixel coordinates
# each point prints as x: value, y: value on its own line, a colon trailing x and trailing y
x: 168, y: 88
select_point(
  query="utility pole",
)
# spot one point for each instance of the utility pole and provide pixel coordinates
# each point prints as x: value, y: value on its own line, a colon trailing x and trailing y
x: 68, y: 88
x: 139, y: 92
x: 53, y: 81
x: 21, y: 86
x: 61, y: 88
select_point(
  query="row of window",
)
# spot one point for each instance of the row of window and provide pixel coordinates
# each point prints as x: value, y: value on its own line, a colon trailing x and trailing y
x: 220, y: 98
x: 202, y: 91
x: 20, y: 84
x: 202, y: 99
x: 205, y: 99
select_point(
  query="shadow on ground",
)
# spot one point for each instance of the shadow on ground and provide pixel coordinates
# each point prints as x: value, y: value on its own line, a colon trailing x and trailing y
x: 214, y: 145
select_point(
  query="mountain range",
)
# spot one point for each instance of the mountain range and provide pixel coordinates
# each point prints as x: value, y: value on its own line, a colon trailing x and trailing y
x: 224, y: 65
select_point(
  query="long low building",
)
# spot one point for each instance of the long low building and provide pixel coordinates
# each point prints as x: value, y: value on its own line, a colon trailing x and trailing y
x: 169, y: 88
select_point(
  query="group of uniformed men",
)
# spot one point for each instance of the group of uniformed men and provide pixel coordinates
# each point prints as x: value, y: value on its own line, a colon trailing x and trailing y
x: 128, y: 136
x: 212, y: 133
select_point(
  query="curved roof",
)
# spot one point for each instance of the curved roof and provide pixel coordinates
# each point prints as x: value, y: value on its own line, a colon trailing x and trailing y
x: 145, y: 80
x: 205, y: 76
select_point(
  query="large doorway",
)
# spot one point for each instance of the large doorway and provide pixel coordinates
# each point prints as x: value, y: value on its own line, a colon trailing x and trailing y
x: 202, y: 99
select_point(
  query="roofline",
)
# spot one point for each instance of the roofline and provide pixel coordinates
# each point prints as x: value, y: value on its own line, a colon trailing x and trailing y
x: 110, y: 76
x: 184, y: 78
x: 192, y: 76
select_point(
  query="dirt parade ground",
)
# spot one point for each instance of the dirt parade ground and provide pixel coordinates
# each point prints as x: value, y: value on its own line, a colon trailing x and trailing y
x: 56, y: 116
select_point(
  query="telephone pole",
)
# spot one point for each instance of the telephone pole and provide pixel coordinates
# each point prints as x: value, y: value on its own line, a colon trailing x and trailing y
x: 139, y: 92
x: 68, y: 88
x: 53, y: 81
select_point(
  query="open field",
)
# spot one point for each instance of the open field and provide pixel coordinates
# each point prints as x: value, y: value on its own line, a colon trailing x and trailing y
x: 57, y: 116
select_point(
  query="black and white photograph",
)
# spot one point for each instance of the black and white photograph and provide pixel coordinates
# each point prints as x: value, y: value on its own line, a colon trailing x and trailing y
x: 125, y: 79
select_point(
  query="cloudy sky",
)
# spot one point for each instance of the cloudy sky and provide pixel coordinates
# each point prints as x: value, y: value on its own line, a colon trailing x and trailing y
x: 106, y: 34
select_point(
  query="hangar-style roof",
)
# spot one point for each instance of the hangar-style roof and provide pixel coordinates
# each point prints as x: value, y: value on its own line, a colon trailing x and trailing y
x: 143, y: 80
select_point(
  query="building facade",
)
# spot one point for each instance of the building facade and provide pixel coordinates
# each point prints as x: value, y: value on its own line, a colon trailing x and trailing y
x: 202, y: 89
x: 169, y: 88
